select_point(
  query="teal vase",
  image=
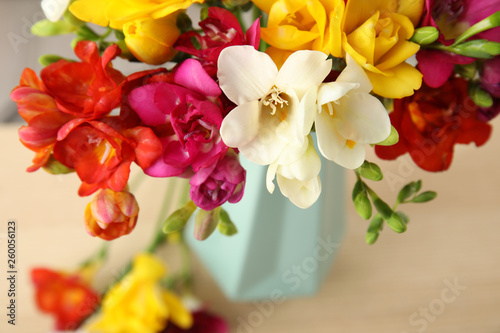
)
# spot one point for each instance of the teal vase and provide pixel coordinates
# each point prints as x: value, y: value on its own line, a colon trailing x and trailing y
x: 280, y: 250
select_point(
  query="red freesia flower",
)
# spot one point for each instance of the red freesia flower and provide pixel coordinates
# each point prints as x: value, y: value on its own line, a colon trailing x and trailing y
x: 68, y: 297
x: 67, y: 90
x: 221, y: 29
x: 101, y: 152
x: 431, y: 122
x: 86, y: 89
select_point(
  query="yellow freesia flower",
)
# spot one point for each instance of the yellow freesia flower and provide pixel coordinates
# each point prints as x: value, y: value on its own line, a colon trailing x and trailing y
x: 303, y: 25
x: 150, y: 40
x: 139, y: 304
x: 116, y: 13
x: 376, y: 34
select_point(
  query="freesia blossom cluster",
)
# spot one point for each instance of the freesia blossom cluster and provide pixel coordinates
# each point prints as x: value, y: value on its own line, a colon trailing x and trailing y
x: 301, y: 84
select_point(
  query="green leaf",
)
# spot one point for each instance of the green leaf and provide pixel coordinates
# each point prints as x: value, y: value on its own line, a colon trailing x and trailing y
x: 226, y: 226
x: 178, y: 219
x: 425, y: 196
x: 370, y: 171
x: 425, y: 35
x: 392, y: 139
x: 205, y: 223
x: 45, y: 28
x: 396, y: 223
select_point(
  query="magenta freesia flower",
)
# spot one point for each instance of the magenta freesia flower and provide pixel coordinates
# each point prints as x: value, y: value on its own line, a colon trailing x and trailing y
x: 221, y: 182
x: 452, y: 17
x: 221, y: 29
x: 186, y: 114
x: 203, y: 322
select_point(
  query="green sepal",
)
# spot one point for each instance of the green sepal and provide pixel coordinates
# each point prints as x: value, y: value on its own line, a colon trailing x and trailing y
x: 226, y: 226
x: 45, y: 28
x: 370, y: 171
x: 392, y: 139
x: 48, y: 59
x: 55, y: 167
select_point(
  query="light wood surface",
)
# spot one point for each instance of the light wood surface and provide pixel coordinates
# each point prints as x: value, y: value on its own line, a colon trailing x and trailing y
x: 404, y: 283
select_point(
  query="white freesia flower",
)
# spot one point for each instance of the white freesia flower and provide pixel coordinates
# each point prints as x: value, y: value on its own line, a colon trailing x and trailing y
x: 298, y: 178
x: 275, y: 108
x: 349, y: 117
x: 54, y: 9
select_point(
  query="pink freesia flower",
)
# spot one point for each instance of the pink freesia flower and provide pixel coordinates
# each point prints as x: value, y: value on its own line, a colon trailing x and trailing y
x: 218, y: 183
x: 221, y: 29
x: 452, y: 17
x: 186, y: 114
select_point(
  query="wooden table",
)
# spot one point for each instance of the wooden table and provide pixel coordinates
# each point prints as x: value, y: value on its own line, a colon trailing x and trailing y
x: 441, y: 276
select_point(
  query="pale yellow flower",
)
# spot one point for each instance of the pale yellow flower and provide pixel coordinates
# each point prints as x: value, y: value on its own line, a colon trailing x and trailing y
x: 138, y: 303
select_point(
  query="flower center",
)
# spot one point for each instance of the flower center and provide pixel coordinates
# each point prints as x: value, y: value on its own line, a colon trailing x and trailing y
x: 274, y: 100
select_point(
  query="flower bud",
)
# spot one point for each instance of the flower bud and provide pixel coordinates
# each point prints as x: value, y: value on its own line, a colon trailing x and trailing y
x: 205, y: 223
x: 151, y: 40
x: 111, y: 214
x: 425, y: 35
x: 178, y: 219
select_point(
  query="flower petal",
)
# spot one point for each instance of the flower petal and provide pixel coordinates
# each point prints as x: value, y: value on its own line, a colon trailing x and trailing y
x: 301, y: 194
x: 245, y: 74
x: 302, y: 71
x: 241, y: 125
x: 354, y: 73
x: 362, y: 118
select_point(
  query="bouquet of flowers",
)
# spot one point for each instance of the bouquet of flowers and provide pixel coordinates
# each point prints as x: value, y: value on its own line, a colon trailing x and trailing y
x: 286, y: 84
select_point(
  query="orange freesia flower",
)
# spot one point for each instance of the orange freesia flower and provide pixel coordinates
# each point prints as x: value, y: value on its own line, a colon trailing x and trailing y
x: 376, y: 34
x: 299, y: 25
x: 111, y: 214
x: 68, y: 297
